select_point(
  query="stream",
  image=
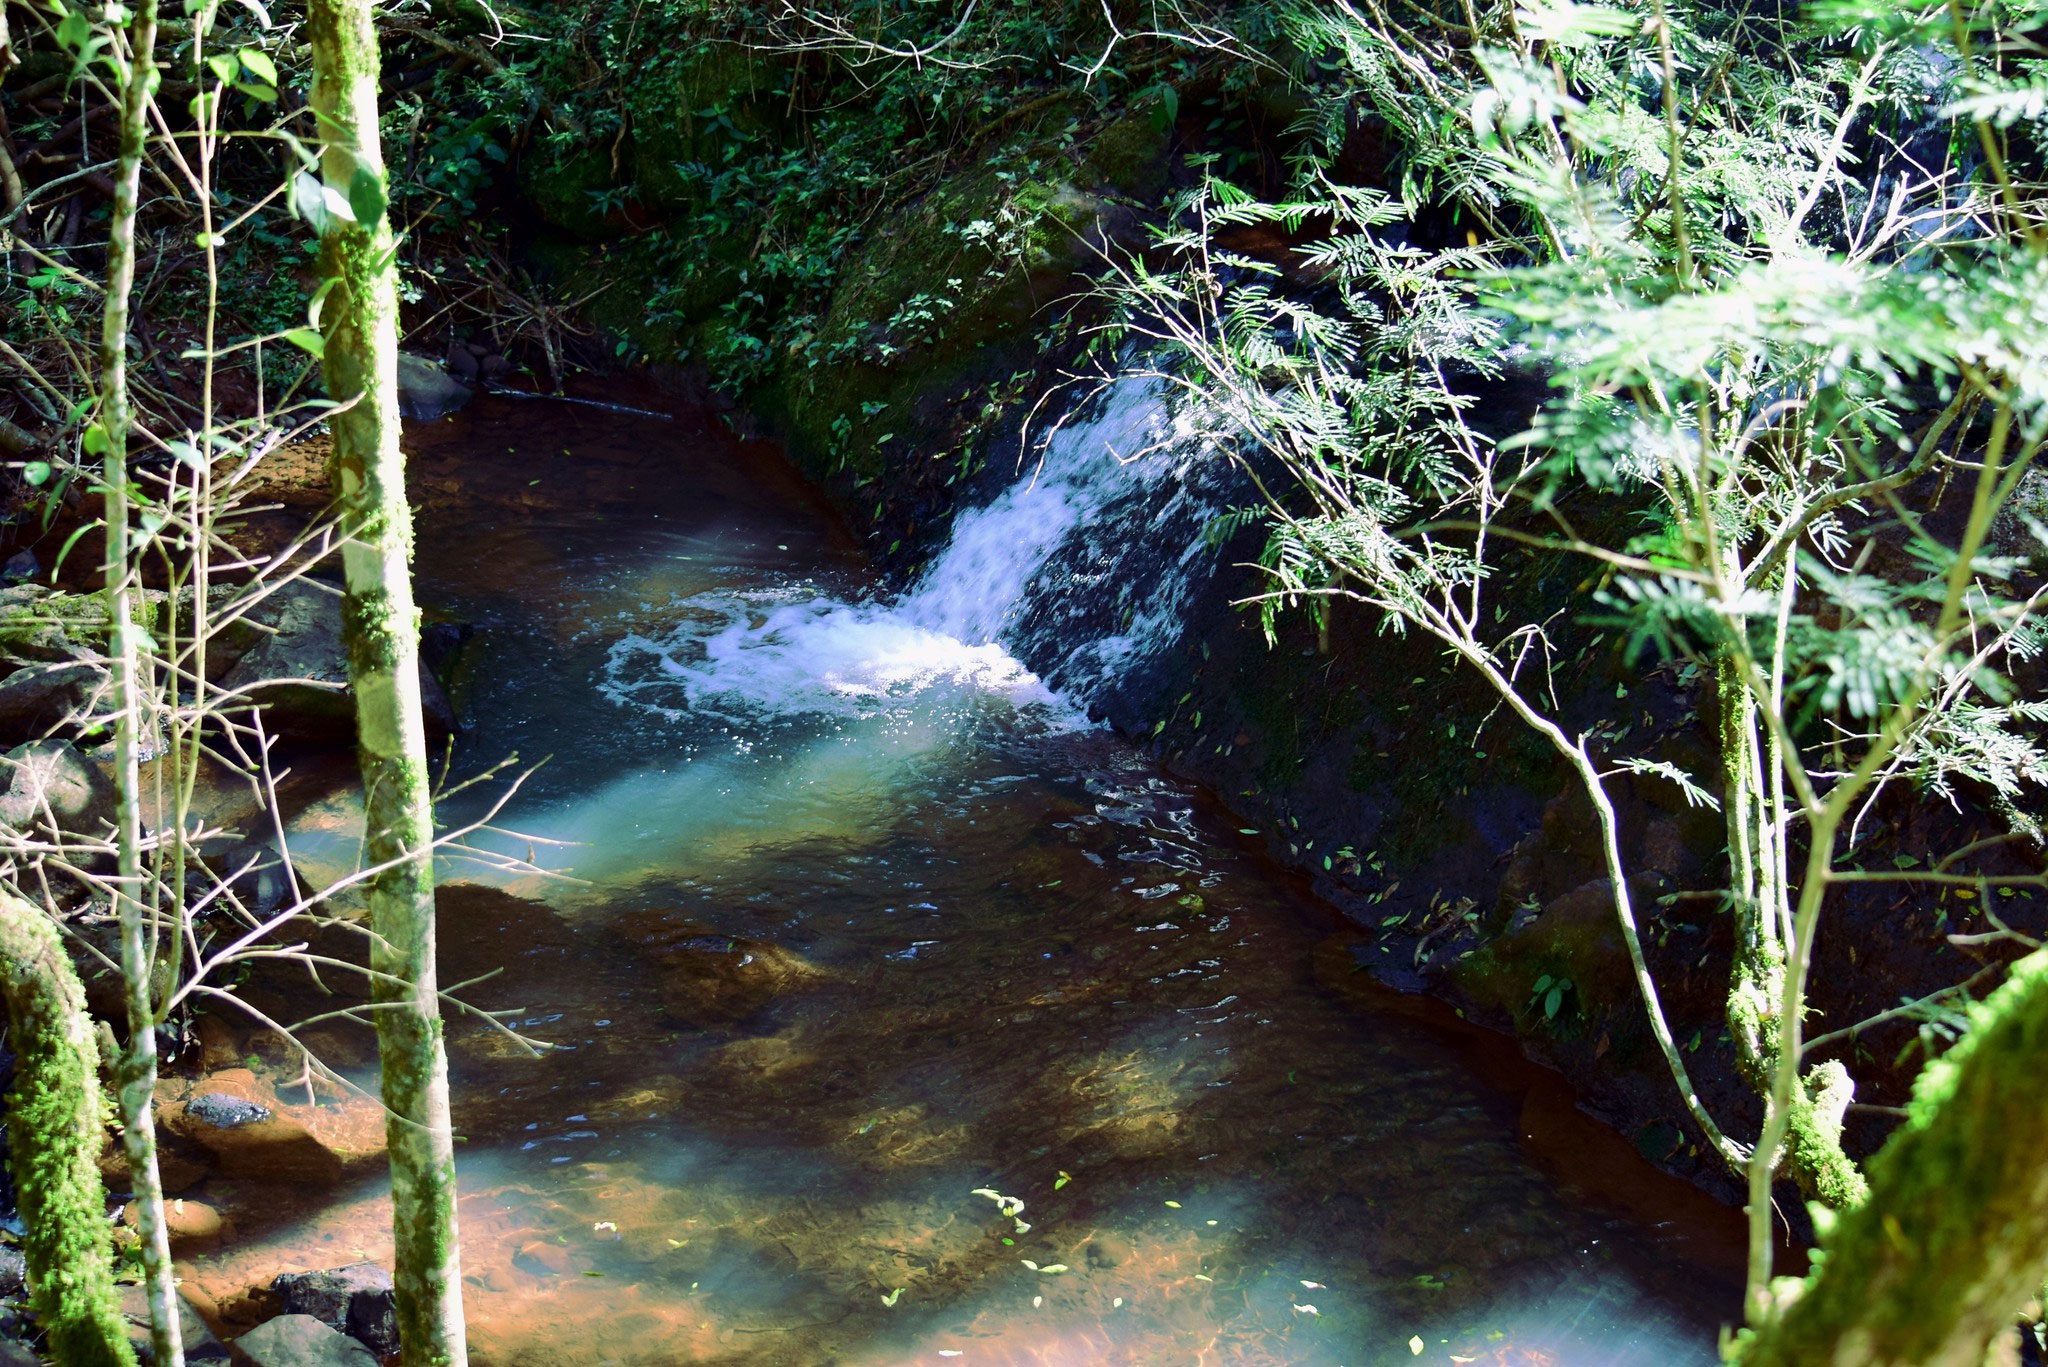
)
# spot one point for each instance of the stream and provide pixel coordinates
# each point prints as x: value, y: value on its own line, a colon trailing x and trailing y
x: 849, y: 933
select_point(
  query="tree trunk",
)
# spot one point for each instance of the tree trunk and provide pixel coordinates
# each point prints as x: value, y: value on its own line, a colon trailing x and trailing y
x: 55, y: 1130
x: 381, y: 633
x: 1953, y: 1239
x: 136, y: 1072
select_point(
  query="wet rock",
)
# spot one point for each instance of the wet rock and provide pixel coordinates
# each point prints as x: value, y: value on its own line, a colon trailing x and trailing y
x: 224, y: 1112
x: 13, y: 1273
x: 301, y: 651
x: 180, y: 1164
x: 426, y: 391
x: 299, y: 1341
x: 200, y: 1344
x: 50, y: 781
x: 249, y: 1133
x: 13, y: 1354
x: 21, y: 567
x: 39, y: 699
x: 357, y: 1300
x: 461, y: 362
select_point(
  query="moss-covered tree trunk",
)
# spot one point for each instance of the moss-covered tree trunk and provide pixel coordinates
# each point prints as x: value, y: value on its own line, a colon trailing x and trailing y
x: 382, y: 636
x: 137, y: 1068
x: 1953, y: 1239
x: 54, y: 1131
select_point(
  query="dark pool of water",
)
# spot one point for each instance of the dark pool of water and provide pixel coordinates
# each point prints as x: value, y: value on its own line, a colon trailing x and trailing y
x: 830, y: 991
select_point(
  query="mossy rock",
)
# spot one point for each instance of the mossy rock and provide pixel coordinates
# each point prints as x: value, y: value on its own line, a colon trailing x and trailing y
x: 950, y: 288
x: 1130, y: 155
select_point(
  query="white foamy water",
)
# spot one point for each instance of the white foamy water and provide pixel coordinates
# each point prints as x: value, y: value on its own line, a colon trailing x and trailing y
x: 1045, y: 597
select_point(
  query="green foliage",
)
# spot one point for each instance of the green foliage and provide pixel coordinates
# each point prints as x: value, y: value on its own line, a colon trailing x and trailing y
x: 1811, y: 365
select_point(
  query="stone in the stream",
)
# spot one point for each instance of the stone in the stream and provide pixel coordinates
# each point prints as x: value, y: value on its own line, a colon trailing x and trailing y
x: 358, y: 1300
x: 200, y: 1344
x: 268, y: 1140
x: 221, y: 1111
x: 426, y: 391
x: 299, y: 1341
x: 711, y: 978
x: 194, y: 1226
x: 298, y: 671
x: 51, y: 779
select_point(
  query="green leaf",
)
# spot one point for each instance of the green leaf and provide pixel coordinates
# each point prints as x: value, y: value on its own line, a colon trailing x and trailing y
x: 258, y: 90
x: 223, y: 66
x: 1552, y: 1000
x: 259, y: 64
x: 307, y: 340
x: 35, y: 472
x: 366, y: 196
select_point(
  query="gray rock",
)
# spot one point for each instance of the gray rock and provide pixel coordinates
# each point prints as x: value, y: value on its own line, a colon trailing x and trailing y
x: 299, y: 1341
x: 426, y: 391
x: 302, y: 650
x: 20, y: 567
x: 224, y: 1112
x: 40, y: 698
x: 358, y: 1300
x: 48, y: 779
x: 13, y: 1273
x: 14, y: 1354
x: 200, y: 1344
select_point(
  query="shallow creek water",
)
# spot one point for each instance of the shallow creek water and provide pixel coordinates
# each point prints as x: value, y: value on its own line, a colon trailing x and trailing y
x: 861, y: 938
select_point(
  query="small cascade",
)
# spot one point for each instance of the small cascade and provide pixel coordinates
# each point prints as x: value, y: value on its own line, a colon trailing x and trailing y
x: 1054, y: 595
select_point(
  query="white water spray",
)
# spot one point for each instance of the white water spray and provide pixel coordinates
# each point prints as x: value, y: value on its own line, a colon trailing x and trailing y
x: 1046, y: 597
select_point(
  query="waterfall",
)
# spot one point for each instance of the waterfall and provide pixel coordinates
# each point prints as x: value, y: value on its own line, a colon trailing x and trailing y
x: 1054, y: 595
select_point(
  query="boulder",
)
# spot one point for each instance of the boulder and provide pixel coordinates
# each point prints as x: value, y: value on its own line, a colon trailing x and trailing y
x: 301, y: 649
x: 38, y: 699
x: 200, y: 1344
x: 299, y: 1341
x: 358, y: 1300
x: 50, y: 781
x: 39, y: 624
x: 426, y: 391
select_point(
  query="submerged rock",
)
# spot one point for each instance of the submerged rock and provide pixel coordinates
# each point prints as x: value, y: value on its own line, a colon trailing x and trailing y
x: 194, y: 1226
x: 357, y: 1300
x: 299, y: 1341
x: 709, y: 978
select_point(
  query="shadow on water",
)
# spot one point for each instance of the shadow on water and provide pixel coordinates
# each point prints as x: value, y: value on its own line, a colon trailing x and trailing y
x: 868, y: 938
